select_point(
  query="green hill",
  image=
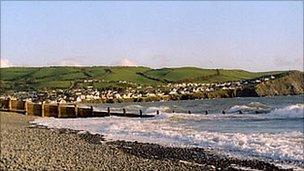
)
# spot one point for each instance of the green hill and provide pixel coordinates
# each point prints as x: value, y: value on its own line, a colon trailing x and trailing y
x: 33, y: 78
x: 192, y: 74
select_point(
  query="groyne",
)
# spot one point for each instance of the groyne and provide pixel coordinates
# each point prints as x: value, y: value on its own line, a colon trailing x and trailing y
x: 59, y: 110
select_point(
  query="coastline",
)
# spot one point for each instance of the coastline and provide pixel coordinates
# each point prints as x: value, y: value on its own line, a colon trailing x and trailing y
x: 30, y: 147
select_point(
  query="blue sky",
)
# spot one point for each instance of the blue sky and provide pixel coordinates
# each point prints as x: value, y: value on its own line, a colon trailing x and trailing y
x: 255, y: 36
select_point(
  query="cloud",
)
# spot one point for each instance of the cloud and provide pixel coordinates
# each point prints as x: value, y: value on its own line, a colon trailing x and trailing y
x: 126, y: 62
x: 4, y: 63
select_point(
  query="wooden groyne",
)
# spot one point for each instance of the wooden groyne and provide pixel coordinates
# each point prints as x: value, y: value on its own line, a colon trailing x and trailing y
x: 34, y: 109
x: 50, y: 110
x: 71, y: 110
x: 59, y: 110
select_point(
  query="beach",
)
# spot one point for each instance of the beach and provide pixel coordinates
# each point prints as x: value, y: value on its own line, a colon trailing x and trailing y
x: 29, y: 147
x: 152, y: 86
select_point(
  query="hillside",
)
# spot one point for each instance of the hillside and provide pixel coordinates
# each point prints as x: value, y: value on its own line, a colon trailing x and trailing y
x: 191, y: 74
x: 289, y: 84
x: 33, y: 78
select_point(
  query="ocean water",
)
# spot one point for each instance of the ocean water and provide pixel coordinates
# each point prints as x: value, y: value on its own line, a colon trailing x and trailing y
x: 268, y: 128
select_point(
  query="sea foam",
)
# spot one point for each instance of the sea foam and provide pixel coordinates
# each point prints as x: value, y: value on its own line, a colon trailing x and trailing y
x: 165, y: 129
x: 291, y: 111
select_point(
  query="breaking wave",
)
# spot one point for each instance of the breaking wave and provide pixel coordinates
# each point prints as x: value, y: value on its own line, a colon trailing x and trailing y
x: 282, y: 146
x: 165, y: 109
x: 168, y: 129
x: 133, y: 107
x: 292, y: 111
x: 251, y: 108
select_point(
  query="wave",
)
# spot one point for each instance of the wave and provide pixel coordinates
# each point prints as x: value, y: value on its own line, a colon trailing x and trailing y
x: 171, y: 129
x: 134, y: 107
x: 249, y: 113
x: 161, y: 130
x: 129, y: 108
x: 251, y: 108
x: 153, y: 109
x: 291, y: 111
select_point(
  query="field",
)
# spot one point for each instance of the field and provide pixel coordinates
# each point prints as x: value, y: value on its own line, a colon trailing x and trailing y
x: 33, y: 78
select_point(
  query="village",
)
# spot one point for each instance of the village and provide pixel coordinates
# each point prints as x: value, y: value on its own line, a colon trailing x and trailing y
x: 133, y: 92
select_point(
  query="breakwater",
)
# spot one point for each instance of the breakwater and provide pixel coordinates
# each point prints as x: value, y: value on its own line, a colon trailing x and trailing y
x: 60, y: 110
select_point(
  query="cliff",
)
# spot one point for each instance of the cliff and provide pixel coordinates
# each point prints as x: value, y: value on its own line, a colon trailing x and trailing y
x: 290, y: 83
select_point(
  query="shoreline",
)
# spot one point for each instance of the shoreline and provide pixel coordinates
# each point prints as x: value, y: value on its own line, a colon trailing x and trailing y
x: 26, y: 147
x: 93, y: 102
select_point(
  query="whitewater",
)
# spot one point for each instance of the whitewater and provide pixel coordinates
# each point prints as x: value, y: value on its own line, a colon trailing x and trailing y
x: 269, y: 129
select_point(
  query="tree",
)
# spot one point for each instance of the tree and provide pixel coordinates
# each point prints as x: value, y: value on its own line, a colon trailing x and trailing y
x: 217, y: 72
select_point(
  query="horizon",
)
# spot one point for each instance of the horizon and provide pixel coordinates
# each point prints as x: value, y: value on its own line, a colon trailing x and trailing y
x: 174, y: 67
x: 250, y: 36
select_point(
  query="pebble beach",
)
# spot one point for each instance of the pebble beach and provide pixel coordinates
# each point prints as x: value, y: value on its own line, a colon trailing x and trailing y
x: 30, y: 147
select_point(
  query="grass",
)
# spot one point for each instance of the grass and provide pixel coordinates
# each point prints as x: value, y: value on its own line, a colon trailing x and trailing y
x: 24, y: 78
x: 128, y: 74
x: 9, y: 74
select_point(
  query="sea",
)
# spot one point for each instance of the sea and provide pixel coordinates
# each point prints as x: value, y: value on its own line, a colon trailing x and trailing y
x: 265, y: 128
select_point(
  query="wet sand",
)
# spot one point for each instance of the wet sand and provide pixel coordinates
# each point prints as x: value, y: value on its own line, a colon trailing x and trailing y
x: 28, y: 147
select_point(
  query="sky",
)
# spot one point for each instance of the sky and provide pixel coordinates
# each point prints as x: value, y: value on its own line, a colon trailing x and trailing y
x: 249, y: 35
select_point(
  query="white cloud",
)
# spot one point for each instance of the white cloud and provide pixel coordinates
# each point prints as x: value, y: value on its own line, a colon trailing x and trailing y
x: 126, y: 62
x: 4, y: 63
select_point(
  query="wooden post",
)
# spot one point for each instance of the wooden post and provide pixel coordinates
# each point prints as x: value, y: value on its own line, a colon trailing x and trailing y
x: 59, y: 110
x: 76, y: 112
x: 109, y: 111
x: 92, y: 112
x: 42, y: 110
x: 25, y: 107
x: 9, y: 104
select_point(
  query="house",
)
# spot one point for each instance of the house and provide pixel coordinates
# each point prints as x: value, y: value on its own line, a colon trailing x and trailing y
x: 173, y: 93
x: 78, y: 99
x: 151, y: 95
x: 117, y: 96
